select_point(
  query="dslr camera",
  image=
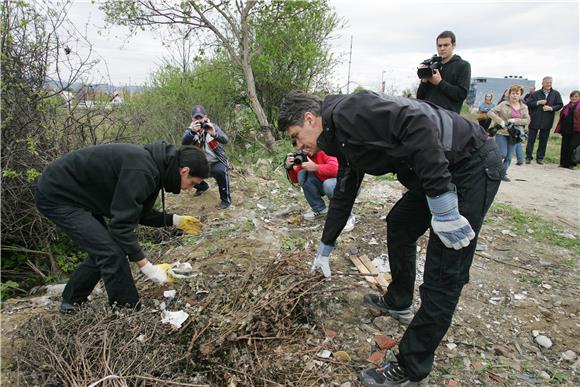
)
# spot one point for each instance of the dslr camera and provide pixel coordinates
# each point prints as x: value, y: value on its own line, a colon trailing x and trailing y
x: 299, y: 157
x: 516, y: 132
x: 205, y: 124
x: 433, y: 63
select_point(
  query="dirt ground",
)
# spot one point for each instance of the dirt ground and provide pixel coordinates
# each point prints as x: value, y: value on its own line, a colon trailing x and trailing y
x: 545, y: 190
x: 522, y: 286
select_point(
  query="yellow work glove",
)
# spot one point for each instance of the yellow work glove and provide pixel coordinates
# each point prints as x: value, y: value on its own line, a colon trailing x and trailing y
x: 188, y: 224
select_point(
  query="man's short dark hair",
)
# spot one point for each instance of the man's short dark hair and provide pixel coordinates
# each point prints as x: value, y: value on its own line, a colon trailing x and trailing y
x: 194, y: 158
x: 446, y: 34
x: 293, y: 107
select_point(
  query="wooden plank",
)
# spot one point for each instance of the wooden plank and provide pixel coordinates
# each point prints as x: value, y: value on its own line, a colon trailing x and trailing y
x: 363, y: 269
x: 382, y: 282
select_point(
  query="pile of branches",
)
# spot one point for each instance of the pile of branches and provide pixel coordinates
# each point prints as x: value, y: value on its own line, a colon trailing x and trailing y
x: 253, y: 327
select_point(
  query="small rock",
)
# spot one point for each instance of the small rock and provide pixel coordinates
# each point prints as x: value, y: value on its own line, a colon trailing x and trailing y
x: 346, y: 384
x: 170, y: 293
x: 544, y: 375
x: 569, y: 355
x: 480, y: 247
x: 451, y: 346
x: 54, y: 290
x: 381, y: 322
x: 261, y: 206
x: 499, y: 349
x: 329, y: 333
x: 384, y: 342
x: 544, y: 341
x: 376, y: 357
x: 529, y: 231
x: 567, y: 235
x: 325, y: 354
x: 547, y: 286
x: 535, y: 333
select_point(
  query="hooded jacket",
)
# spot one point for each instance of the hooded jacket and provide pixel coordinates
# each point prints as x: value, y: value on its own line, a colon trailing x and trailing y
x: 452, y: 90
x: 117, y: 181
x: 377, y: 134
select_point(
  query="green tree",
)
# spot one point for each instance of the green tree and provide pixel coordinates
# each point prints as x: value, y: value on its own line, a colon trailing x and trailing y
x: 232, y: 25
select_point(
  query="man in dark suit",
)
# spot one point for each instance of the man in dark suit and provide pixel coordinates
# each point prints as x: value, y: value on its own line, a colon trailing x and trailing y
x: 543, y: 104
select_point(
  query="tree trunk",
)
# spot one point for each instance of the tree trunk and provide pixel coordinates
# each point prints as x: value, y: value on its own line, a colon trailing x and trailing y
x: 265, y: 127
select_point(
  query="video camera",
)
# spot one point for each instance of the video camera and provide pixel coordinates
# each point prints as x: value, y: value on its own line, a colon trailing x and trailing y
x: 299, y: 157
x: 433, y: 63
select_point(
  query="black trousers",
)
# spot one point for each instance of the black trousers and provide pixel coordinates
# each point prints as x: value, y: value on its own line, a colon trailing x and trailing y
x: 541, y: 152
x: 105, y: 259
x: 219, y: 171
x: 569, y: 143
x: 446, y: 270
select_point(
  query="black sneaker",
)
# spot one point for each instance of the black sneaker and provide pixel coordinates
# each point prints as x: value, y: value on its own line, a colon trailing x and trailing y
x: 506, y: 178
x: 199, y: 192
x: 528, y: 161
x: 520, y: 163
x: 68, y: 308
x: 404, y: 316
x: 388, y: 374
x: 540, y: 161
x: 224, y: 205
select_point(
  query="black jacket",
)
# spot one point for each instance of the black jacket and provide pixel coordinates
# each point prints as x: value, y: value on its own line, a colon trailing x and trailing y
x: 452, y: 90
x: 117, y: 181
x: 539, y: 119
x: 376, y: 134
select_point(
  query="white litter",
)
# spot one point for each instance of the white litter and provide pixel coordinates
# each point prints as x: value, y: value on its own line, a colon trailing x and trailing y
x: 181, y: 270
x: 170, y: 293
x: 176, y: 319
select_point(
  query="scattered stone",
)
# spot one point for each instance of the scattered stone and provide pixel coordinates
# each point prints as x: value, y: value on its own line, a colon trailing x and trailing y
x: 261, y: 206
x: 330, y: 333
x: 54, y: 290
x: 384, y: 342
x: 544, y: 341
x: 567, y: 235
x: 529, y: 231
x: 376, y: 357
x: 480, y: 247
x: 382, y: 322
x: 346, y: 384
x: 535, y: 333
x: 500, y: 350
x: 325, y: 354
x: 569, y: 355
x: 544, y: 375
x: 451, y: 346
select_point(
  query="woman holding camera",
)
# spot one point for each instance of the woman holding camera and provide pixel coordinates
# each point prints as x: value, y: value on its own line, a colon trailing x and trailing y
x: 514, y: 111
x: 484, y: 108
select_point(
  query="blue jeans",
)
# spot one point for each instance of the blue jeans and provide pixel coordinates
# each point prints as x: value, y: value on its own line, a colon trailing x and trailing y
x: 314, y: 189
x: 506, y: 150
x: 520, y: 153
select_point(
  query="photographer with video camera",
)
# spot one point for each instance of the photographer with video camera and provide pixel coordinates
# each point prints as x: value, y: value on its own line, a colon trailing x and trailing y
x: 208, y: 136
x: 316, y: 174
x: 445, y: 77
x: 507, y: 115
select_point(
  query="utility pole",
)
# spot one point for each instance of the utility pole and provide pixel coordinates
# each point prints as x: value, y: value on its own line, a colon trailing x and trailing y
x: 349, y: 61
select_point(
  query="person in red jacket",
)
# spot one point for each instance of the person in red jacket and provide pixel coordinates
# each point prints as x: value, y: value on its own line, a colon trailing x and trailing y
x: 316, y: 174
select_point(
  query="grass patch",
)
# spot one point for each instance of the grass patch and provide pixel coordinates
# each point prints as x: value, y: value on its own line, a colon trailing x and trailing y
x: 386, y: 177
x: 542, y: 230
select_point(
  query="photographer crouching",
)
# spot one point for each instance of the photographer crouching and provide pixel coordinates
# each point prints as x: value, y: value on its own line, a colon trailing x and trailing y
x: 208, y: 136
x: 316, y: 174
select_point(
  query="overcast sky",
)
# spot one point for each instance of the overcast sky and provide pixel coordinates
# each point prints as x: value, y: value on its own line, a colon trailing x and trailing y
x: 498, y: 38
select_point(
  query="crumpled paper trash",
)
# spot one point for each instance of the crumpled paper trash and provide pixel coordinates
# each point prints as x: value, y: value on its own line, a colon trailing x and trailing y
x: 181, y: 270
x: 176, y: 319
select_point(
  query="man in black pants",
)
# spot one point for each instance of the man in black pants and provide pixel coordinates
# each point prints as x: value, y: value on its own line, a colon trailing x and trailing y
x: 448, y: 86
x: 543, y: 105
x: 452, y: 172
x: 120, y: 182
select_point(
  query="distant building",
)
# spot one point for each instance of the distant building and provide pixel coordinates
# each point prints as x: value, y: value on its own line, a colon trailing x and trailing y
x: 482, y: 85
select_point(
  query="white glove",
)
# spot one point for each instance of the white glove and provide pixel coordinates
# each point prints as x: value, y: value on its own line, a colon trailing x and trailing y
x: 451, y: 227
x: 155, y: 273
x: 322, y: 260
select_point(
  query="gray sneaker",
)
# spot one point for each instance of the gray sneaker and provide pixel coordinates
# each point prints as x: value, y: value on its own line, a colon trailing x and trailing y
x: 374, y: 301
